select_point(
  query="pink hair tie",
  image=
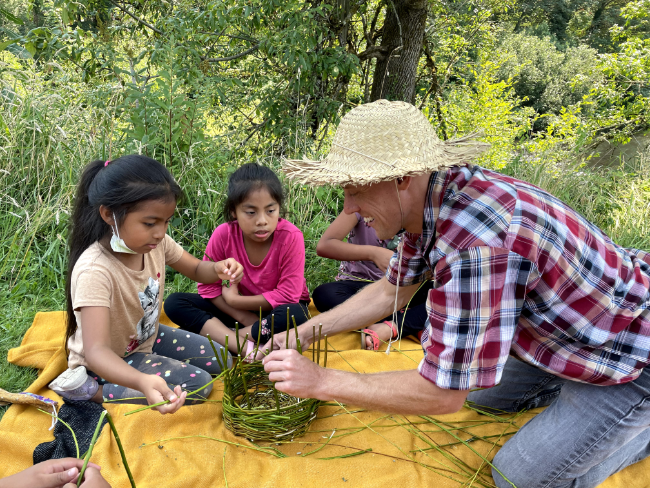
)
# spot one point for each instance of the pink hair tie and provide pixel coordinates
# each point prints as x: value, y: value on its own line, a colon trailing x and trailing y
x: 106, y: 163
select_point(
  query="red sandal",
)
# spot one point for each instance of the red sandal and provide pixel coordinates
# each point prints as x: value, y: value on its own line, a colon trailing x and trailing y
x: 376, y: 341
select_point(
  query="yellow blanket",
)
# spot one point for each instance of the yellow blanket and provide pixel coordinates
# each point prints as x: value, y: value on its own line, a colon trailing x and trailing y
x: 193, y: 449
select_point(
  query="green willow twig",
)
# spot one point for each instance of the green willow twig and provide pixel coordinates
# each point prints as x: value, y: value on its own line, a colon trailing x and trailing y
x: 363, y: 451
x: 322, y: 445
x: 286, y: 333
x: 426, y: 417
x: 243, y: 378
x: 119, y: 446
x: 90, y: 448
x: 320, y: 332
x: 74, y: 437
x: 167, y: 401
x: 224, y: 466
x: 237, y: 336
x: 295, y: 329
x: 343, y: 358
x: 266, y: 450
x: 259, y: 334
x: 465, y: 469
x: 406, y: 454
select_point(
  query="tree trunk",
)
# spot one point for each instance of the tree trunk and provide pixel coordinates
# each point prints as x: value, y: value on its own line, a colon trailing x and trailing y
x: 396, y: 70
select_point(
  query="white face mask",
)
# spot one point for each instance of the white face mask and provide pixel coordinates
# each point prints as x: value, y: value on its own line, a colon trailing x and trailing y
x: 117, y: 243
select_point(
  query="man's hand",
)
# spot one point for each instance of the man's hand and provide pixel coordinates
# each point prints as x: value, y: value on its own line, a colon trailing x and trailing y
x: 229, y: 269
x: 296, y: 375
x: 55, y: 473
x: 92, y: 479
x: 381, y: 258
x: 156, y: 390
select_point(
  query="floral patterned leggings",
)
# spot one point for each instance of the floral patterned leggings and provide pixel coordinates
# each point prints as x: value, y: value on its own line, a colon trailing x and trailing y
x: 180, y: 357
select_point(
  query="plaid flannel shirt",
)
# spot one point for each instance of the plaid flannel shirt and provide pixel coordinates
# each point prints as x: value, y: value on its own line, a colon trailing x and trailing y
x: 517, y: 269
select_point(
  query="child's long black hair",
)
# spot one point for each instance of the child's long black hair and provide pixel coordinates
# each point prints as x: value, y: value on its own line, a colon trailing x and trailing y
x: 247, y: 178
x: 121, y: 186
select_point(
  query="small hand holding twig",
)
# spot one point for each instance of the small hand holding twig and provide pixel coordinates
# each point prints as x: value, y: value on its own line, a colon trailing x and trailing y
x: 92, y: 479
x: 49, y: 474
x: 155, y: 389
x: 229, y: 269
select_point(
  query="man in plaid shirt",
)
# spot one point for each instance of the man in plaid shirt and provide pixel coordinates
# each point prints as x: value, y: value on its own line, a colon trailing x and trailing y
x: 532, y: 306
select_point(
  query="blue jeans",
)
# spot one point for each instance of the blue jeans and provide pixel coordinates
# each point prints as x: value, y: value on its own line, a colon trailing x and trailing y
x: 585, y: 435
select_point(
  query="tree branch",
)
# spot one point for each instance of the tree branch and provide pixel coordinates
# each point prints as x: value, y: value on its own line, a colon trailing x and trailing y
x: 234, y: 56
x: 136, y: 18
x: 378, y: 52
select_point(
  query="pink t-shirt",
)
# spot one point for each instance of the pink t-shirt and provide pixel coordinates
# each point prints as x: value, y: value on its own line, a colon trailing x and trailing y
x: 280, y: 277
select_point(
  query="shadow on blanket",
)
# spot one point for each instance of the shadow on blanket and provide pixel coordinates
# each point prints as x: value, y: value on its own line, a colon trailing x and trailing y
x: 192, y: 447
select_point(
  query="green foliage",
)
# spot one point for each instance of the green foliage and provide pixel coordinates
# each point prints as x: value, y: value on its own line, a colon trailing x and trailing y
x: 490, y: 105
x: 621, y: 102
x: 546, y: 78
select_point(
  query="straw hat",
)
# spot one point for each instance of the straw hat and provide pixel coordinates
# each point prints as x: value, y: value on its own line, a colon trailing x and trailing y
x: 382, y: 141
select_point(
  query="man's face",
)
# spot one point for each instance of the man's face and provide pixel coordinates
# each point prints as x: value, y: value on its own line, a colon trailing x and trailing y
x: 378, y: 204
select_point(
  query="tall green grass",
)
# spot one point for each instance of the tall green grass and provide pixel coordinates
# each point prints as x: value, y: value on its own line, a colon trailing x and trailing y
x: 52, y: 125
x: 48, y: 132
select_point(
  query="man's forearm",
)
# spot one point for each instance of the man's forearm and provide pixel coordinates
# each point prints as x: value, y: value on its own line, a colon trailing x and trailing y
x: 402, y: 392
x: 374, y: 302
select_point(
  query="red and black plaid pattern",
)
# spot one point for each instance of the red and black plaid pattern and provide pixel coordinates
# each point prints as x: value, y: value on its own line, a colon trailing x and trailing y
x: 517, y: 269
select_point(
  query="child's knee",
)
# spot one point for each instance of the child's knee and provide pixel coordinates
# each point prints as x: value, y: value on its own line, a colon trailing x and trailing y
x: 320, y: 297
x: 172, y: 306
x: 197, y: 379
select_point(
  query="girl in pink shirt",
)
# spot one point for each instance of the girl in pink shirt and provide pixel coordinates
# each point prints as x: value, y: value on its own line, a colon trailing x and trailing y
x: 272, y: 252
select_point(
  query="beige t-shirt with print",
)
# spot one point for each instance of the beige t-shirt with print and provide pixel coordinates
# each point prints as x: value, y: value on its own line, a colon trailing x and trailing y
x: 134, y: 298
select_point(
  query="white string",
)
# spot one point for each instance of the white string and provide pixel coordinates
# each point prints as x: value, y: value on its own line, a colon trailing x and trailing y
x: 399, y: 271
x: 55, y: 418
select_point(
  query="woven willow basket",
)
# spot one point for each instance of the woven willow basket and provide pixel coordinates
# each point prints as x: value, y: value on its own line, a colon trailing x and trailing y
x: 251, y: 410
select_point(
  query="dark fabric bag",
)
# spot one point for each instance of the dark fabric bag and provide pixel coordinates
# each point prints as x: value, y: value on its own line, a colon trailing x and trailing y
x: 82, y: 417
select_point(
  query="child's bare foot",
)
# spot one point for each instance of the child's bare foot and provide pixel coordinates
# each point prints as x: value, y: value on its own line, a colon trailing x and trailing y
x: 384, y: 331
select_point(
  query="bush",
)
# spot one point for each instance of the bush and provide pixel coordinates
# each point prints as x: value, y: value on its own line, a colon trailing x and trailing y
x: 545, y: 78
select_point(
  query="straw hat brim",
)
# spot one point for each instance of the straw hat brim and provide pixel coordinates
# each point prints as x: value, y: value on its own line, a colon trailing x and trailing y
x: 344, y: 166
x: 381, y: 141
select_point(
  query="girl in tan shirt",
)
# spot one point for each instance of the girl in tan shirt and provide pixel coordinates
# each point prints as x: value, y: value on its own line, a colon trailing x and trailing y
x: 116, y: 277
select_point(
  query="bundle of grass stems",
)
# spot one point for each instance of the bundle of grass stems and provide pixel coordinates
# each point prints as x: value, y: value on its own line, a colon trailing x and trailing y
x: 252, y: 407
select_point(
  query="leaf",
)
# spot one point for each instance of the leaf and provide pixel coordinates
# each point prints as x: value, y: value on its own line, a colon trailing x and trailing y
x: 12, y: 17
x: 30, y: 48
x: 6, y: 44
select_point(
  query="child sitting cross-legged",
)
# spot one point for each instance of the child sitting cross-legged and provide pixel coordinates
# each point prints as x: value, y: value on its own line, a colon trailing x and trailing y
x: 364, y: 259
x: 117, y: 350
x: 272, y: 252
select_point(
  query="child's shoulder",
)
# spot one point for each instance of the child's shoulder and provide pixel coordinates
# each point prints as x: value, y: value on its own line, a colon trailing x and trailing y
x: 287, y: 227
x: 94, y: 258
x: 225, y: 229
